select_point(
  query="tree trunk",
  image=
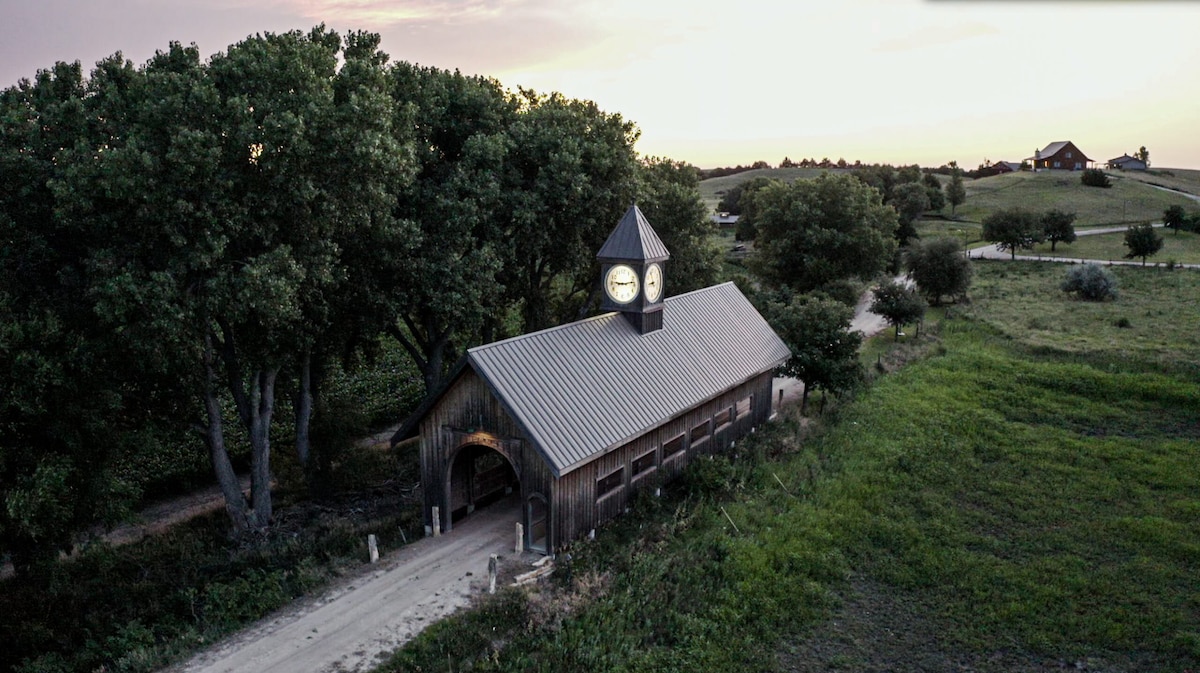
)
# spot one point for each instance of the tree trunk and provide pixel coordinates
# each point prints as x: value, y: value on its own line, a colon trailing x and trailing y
x: 231, y: 488
x: 804, y: 399
x: 261, y: 408
x: 304, y: 408
x: 1053, y: 244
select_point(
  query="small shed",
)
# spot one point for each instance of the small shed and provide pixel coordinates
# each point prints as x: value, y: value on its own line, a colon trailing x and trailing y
x: 577, y: 419
x: 1127, y: 163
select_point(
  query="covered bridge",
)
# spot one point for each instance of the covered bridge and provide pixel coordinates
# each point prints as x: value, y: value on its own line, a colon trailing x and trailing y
x: 576, y: 419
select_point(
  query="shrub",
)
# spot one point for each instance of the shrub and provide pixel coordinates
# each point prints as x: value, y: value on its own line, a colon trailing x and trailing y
x: 1090, y: 282
x: 1094, y: 177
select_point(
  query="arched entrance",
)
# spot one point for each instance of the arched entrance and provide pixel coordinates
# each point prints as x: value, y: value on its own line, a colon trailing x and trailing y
x: 479, y: 476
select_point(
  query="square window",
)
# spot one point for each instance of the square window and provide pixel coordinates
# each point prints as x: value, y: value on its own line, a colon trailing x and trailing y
x: 610, y: 482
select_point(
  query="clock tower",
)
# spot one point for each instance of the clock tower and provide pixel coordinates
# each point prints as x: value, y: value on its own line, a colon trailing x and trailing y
x: 631, y: 271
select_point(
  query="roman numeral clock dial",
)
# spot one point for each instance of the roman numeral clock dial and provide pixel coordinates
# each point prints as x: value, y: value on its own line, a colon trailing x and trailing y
x: 621, y: 284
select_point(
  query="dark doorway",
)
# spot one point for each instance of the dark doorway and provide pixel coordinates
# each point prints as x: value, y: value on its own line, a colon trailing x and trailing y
x: 479, y: 477
x: 538, y: 518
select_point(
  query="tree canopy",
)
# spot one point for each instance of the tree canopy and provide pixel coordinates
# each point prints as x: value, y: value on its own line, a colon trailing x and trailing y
x: 193, y: 245
x: 1142, y: 241
x: 1013, y: 229
x: 1058, y: 227
x: 939, y: 268
x: 813, y: 233
x: 817, y: 331
x: 898, y: 304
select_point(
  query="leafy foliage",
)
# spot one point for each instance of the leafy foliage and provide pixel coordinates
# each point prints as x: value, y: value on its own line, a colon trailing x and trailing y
x: 1091, y: 282
x: 956, y: 193
x: 1012, y: 230
x: 939, y: 268
x: 1174, y: 217
x: 812, y: 233
x: 1057, y: 226
x: 1095, y: 177
x: 816, y: 330
x: 1142, y: 241
x: 910, y: 200
x: 898, y: 304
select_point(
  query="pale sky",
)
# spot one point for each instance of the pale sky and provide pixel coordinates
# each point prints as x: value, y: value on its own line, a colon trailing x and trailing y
x: 722, y: 83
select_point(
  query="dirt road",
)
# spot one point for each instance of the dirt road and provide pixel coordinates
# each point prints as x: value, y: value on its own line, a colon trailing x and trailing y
x: 350, y: 626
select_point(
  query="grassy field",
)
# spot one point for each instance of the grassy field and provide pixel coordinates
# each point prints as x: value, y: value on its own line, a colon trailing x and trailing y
x: 1181, y: 179
x: 1183, y: 248
x: 1021, y: 499
x: 1127, y: 201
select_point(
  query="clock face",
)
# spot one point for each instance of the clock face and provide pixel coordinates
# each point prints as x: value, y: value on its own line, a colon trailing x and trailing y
x: 621, y: 284
x: 653, y: 282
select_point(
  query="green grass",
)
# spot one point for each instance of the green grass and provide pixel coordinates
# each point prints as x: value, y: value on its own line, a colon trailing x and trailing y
x: 1022, y: 300
x: 1027, y: 493
x: 1183, y: 247
x: 1127, y: 201
x: 1181, y: 179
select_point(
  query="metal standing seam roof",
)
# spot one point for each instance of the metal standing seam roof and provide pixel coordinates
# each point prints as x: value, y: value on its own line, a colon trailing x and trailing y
x: 582, y: 389
x: 633, y: 238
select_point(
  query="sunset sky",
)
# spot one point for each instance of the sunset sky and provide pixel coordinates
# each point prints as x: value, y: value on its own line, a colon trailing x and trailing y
x: 900, y: 81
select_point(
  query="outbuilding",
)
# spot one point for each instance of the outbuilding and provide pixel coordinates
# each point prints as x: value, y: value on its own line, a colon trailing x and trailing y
x: 577, y: 419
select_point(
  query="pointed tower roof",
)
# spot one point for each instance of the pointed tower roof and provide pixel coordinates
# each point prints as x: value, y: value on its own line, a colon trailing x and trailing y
x: 634, y: 239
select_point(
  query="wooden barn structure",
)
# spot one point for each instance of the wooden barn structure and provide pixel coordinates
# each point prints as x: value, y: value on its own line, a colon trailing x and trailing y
x: 577, y: 419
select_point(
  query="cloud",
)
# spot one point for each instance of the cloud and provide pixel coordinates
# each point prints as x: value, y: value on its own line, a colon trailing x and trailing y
x: 936, y: 36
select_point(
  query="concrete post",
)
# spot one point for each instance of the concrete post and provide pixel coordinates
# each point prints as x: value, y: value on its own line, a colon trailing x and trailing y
x: 493, y: 562
x: 437, y: 522
x: 373, y: 548
x: 520, y: 546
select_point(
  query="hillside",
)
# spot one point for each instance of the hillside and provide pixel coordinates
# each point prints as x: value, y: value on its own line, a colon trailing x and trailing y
x: 1179, y: 179
x: 1132, y: 198
x: 1126, y: 201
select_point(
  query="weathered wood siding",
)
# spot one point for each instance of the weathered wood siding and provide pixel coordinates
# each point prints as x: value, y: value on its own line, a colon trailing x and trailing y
x: 577, y: 508
x: 468, y: 414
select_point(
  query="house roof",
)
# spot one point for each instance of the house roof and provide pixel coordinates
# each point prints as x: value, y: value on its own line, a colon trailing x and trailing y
x: 633, y: 239
x: 1124, y: 158
x: 1011, y: 165
x: 1054, y: 148
x: 582, y: 389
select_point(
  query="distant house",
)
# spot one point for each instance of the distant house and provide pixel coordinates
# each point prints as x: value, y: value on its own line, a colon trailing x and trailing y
x: 1127, y: 163
x: 998, y: 168
x: 1061, y: 155
x: 724, y: 220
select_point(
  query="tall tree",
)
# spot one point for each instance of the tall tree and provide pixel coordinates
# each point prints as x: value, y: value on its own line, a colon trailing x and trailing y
x: 939, y: 268
x: 446, y: 290
x: 910, y: 199
x: 812, y: 233
x: 569, y: 174
x: 1142, y: 155
x: 1058, y: 226
x: 899, y: 305
x: 223, y: 206
x: 1175, y: 218
x: 1142, y: 241
x: 1012, y: 229
x: 956, y: 193
x: 817, y: 331
x: 669, y: 196
x: 933, y: 189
